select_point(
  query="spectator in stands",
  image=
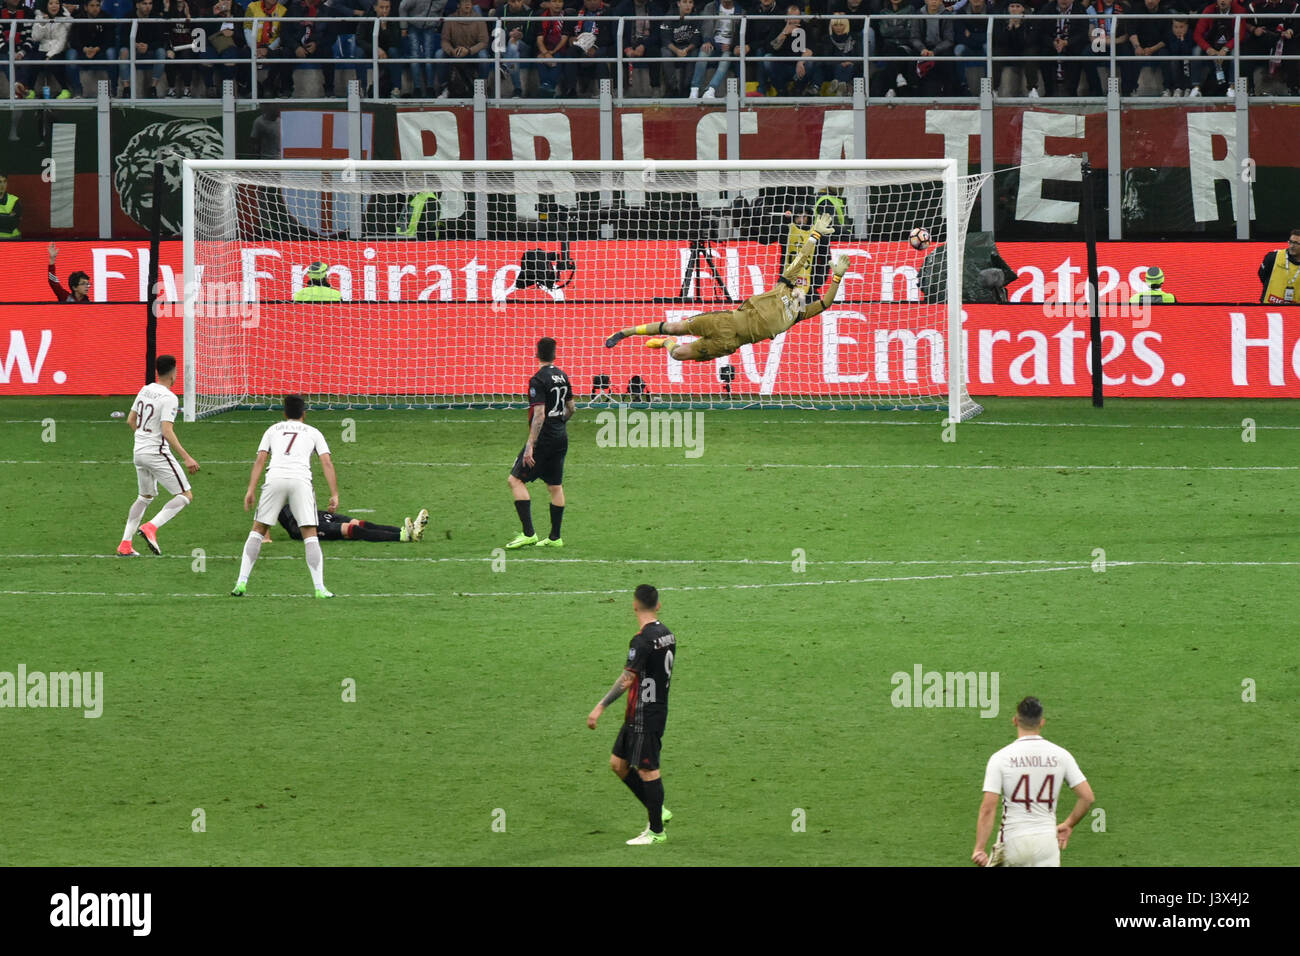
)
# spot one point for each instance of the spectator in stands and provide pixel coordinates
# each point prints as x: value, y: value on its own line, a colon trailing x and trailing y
x: 389, y: 81
x: 93, y: 41
x: 640, y: 41
x: 591, y: 38
x: 16, y: 10
x: 263, y: 32
x: 550, y: 39
x: 423, y: 41
x: 514, y: 16
x: 679, y: 38
x: 50, y: 34
x: 1147, y: 37
x: 121, y: 36
x: 1108, y: 28
x: 1016, y: 36
x: 226, y: 49
x: 845, y: 45
x: 151, y: 41
x: 791, y: 76
x: 78, y: 282
x: 1279, y: 274
x: 893, y: 39
x: 1217, y: 32
x: 721, y: 33
x: 463, y: 40
x: 11, y: 212
x: 1182, y: 75
x: 360, y: 16
x: 306, y: 37
x: 1068, y: 39
x: 971, y: 36
x: 932, y: 38
x: 760, y: 34
x: 180, y: 46
x: 1271, y: 35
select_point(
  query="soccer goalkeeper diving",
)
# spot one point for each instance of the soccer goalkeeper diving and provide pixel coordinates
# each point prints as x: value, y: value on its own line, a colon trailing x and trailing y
x: 761, y: 316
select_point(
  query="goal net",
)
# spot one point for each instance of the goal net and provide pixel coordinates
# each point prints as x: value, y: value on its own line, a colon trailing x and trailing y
x: 429, y: 284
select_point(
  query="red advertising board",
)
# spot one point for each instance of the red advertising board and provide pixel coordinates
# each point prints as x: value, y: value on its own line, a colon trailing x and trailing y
x: 455, y: 348
x: 1196, y: 272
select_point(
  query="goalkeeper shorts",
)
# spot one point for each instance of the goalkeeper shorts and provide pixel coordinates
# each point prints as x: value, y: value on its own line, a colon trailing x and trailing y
x: 718, y: 334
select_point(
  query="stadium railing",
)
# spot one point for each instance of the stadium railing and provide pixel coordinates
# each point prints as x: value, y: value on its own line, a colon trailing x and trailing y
x: 618, y: 65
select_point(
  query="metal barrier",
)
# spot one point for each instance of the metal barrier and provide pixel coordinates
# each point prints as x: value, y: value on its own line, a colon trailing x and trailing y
x: 614, y: 58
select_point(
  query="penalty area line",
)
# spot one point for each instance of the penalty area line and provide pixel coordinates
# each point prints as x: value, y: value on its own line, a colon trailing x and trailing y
x: 784, y: 584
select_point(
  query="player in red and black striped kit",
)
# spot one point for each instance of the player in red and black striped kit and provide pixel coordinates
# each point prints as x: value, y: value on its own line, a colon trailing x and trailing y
x: 645, y: 677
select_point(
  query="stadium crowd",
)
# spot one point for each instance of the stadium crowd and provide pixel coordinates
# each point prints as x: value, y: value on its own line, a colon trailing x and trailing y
x: 669, y: 48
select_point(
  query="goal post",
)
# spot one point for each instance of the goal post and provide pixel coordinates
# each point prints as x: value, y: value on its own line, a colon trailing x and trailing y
x: 429, y: 283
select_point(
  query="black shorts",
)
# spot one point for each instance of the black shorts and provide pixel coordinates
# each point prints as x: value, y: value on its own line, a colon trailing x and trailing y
x: 640, y: 750
x: 548, y: 462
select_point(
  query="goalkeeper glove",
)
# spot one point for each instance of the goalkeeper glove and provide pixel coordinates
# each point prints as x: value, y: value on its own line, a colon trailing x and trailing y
x: 822, y: 226
x: 841, y: 266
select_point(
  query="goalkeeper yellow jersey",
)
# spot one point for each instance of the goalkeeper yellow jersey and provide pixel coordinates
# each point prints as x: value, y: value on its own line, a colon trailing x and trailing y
x: 793, y: 246
x: 768, y: 314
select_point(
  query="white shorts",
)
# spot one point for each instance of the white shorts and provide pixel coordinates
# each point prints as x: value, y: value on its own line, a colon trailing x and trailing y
x: 1032, y: 849
x: 298, y: 494
x: 154, y: 468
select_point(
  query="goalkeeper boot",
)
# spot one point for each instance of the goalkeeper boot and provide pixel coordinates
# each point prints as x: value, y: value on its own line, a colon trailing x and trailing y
x: 322, y: 593
x: 615, y: 339
x: 666, y: 342
x: 240, y: 589
x: 550, y: 543
x: 648, y: 837
x: 666, y: 815
x: 421, y: 520
x: 408, y: 531
x: 150, y: 535
x: 520, y: 540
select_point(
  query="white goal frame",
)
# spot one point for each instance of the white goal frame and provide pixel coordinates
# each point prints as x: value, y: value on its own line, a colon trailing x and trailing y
x: 946, y: 170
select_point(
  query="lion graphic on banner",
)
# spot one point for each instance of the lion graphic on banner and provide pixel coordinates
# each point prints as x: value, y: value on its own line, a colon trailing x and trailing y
x: 133, y: 175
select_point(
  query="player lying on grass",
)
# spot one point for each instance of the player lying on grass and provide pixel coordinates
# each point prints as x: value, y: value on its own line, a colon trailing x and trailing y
x: 336, y: 527
x: 762, y: 316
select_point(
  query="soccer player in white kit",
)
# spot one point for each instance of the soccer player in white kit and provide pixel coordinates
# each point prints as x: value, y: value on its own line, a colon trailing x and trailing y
x: 1029, y: 775
x: 289, y: 444
x: 151, y: 417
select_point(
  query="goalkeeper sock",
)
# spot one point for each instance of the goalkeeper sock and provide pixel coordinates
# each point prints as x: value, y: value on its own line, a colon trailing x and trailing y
x: 133, y: 518
x: 170, y: 510
x: 557, y: 516
x: 654, y: 802
x: 525, y: 509
x: 654, y: 328
x: 315, y: 562
x: 637, y: 786
x: 252, y: 547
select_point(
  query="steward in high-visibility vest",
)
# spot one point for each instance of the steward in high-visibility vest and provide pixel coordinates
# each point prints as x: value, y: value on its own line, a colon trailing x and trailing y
x: 1280, y: 274
x: 1155, y: 280
x: 318, y: 288
x: 832, y: 204
x: 11, y: 211
x: 419, y: 203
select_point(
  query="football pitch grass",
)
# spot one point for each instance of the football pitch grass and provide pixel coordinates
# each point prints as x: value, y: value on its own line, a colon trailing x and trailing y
x: 803, y: 559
